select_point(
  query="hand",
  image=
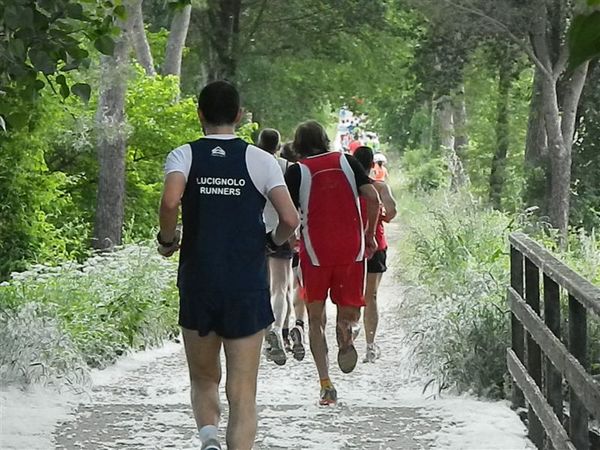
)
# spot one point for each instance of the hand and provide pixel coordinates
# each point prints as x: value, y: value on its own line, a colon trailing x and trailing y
x: 370, y: 246
x: 168, y: 250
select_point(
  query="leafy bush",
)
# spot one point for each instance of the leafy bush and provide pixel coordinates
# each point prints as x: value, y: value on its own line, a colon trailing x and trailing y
x: 110, y: 304
x: 423, y: 170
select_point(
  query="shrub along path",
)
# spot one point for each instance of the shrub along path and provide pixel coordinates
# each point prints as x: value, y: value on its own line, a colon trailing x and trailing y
x: 381, y: 406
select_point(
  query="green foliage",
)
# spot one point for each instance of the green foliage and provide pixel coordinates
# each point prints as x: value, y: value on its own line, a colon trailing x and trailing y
x: 584, y: 38
x: 103, y: 308
x: 46, y: 37
x: 159, y: 122
x: 423, y: 170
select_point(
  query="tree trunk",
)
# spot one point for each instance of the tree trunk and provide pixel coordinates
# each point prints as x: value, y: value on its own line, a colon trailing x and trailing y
x: 559, y: 114
x: 458, y: 178
x: 498, y: 170
x: 138, y: 37
x: 563, y: 118
x: 111, y: 147
x: 223, y: 36
x: 461, y: 141
x: 176, y: 42
x: 537, y: 166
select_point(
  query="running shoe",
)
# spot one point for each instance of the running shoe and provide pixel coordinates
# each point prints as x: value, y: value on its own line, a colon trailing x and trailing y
x: 297, y: 336
x: 372, y: 354
x: 276, y: 352
x: 328, y: 396
x: 211, y: 444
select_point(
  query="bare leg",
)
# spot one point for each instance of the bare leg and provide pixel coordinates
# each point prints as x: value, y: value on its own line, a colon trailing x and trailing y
x: 299, y: 304
x: 347, y: 318
x: 279, y: 272
x: 317, y: 320
x: 242, y: 357
x: 371, y: 315
x: 203, y: 358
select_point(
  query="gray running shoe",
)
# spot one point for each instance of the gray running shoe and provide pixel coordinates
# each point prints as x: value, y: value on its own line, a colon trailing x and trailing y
x: 297, y: 336
x: 277, y: 351
x: 372, y: 354
x: 347, y: 359
x: 211, y: 444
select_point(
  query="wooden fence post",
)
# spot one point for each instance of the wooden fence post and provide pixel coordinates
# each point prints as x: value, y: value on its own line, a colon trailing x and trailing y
x: 553, y: 377
x: 578, y: 415
x: 534, y: 354
x: 518, y: 338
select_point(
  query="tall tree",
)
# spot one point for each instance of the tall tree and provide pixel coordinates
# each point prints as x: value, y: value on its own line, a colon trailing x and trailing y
x: 176, y: 41
x: 111, y: 134
x: 139, y: 38
x: 498, y: 169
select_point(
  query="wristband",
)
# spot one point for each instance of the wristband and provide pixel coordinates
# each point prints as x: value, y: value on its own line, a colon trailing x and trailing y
x: 167, y: 244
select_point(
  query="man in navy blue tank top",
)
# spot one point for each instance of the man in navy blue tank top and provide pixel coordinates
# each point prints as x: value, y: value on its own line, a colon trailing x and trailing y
x: 222, y: 184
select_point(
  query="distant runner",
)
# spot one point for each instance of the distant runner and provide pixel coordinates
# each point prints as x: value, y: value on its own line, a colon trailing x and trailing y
x: 376, y: 265
x: 325, y: 187
x: 222, y: 184
x: 280, y: 265
x: 297, y: 331
x: 379, y: 171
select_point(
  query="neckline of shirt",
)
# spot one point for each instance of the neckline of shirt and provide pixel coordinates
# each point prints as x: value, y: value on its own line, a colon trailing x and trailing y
x: 220, y: 136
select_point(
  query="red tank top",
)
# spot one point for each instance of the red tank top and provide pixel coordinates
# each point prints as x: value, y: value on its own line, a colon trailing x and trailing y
x: 332, y: 228
x: 379, y: 230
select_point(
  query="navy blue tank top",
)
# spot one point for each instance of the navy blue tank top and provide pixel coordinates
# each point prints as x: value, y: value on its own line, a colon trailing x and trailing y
x: 223, y: 246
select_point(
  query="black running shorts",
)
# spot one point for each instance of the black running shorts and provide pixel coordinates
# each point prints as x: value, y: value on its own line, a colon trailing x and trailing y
x: 377, y: 263
x: 231, y: 315
x: 282, y: 252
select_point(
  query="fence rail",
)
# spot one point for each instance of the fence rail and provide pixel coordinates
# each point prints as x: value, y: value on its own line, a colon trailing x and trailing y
x: 538, y: 360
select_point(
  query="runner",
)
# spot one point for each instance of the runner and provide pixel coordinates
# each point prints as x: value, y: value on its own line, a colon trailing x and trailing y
x: 280, y: 265
x: 297, y: 332
x: 376, y: 265
x: 325, y: 187
x: 379, y: 171
x: 222, y: 184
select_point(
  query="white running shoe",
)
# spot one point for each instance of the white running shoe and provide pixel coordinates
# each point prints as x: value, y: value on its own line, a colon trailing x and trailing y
x: 276, y: 352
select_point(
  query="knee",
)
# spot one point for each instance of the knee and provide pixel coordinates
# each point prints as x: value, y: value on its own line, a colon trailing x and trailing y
x: 205, y: 375
x: 240, y: 392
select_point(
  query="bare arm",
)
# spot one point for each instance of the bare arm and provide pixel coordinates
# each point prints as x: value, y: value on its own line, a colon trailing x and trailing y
x: 370, y: 194
x: 288, y: 215
x: 389, y: 203
x: 169, y: 205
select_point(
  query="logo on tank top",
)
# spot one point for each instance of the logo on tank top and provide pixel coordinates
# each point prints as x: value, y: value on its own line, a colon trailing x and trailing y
x: 219, y: 152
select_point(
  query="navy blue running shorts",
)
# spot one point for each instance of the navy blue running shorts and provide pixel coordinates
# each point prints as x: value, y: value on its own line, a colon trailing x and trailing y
x: 231, y: 315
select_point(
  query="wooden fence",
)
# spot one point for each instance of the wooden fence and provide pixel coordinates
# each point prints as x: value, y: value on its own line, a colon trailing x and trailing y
x: 539, y: 361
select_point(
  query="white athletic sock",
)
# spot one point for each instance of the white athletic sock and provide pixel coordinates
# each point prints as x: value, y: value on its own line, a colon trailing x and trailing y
x: 208, y: 432
x: 276, y: 329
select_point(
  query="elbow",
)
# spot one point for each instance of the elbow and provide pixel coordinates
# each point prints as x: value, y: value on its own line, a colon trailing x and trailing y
x: 169, y: 205
x: 292, y: 220
x: 389, y: 215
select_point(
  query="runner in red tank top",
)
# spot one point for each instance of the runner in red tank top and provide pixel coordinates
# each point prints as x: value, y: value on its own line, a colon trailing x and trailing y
x: 325, y: 186
x: 376, y: 265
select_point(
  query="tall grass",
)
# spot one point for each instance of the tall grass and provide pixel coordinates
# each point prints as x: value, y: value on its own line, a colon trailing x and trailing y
x: 454, y: 254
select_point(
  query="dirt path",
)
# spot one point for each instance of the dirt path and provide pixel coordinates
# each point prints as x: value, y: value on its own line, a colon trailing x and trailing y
x: 380, y: 406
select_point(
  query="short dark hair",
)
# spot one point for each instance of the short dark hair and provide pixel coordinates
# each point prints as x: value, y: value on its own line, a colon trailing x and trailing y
x: 268, y: 140
x: 364, y: 155
x: 219, y: 103
x: 310, y: 139
x: 288, y: 153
